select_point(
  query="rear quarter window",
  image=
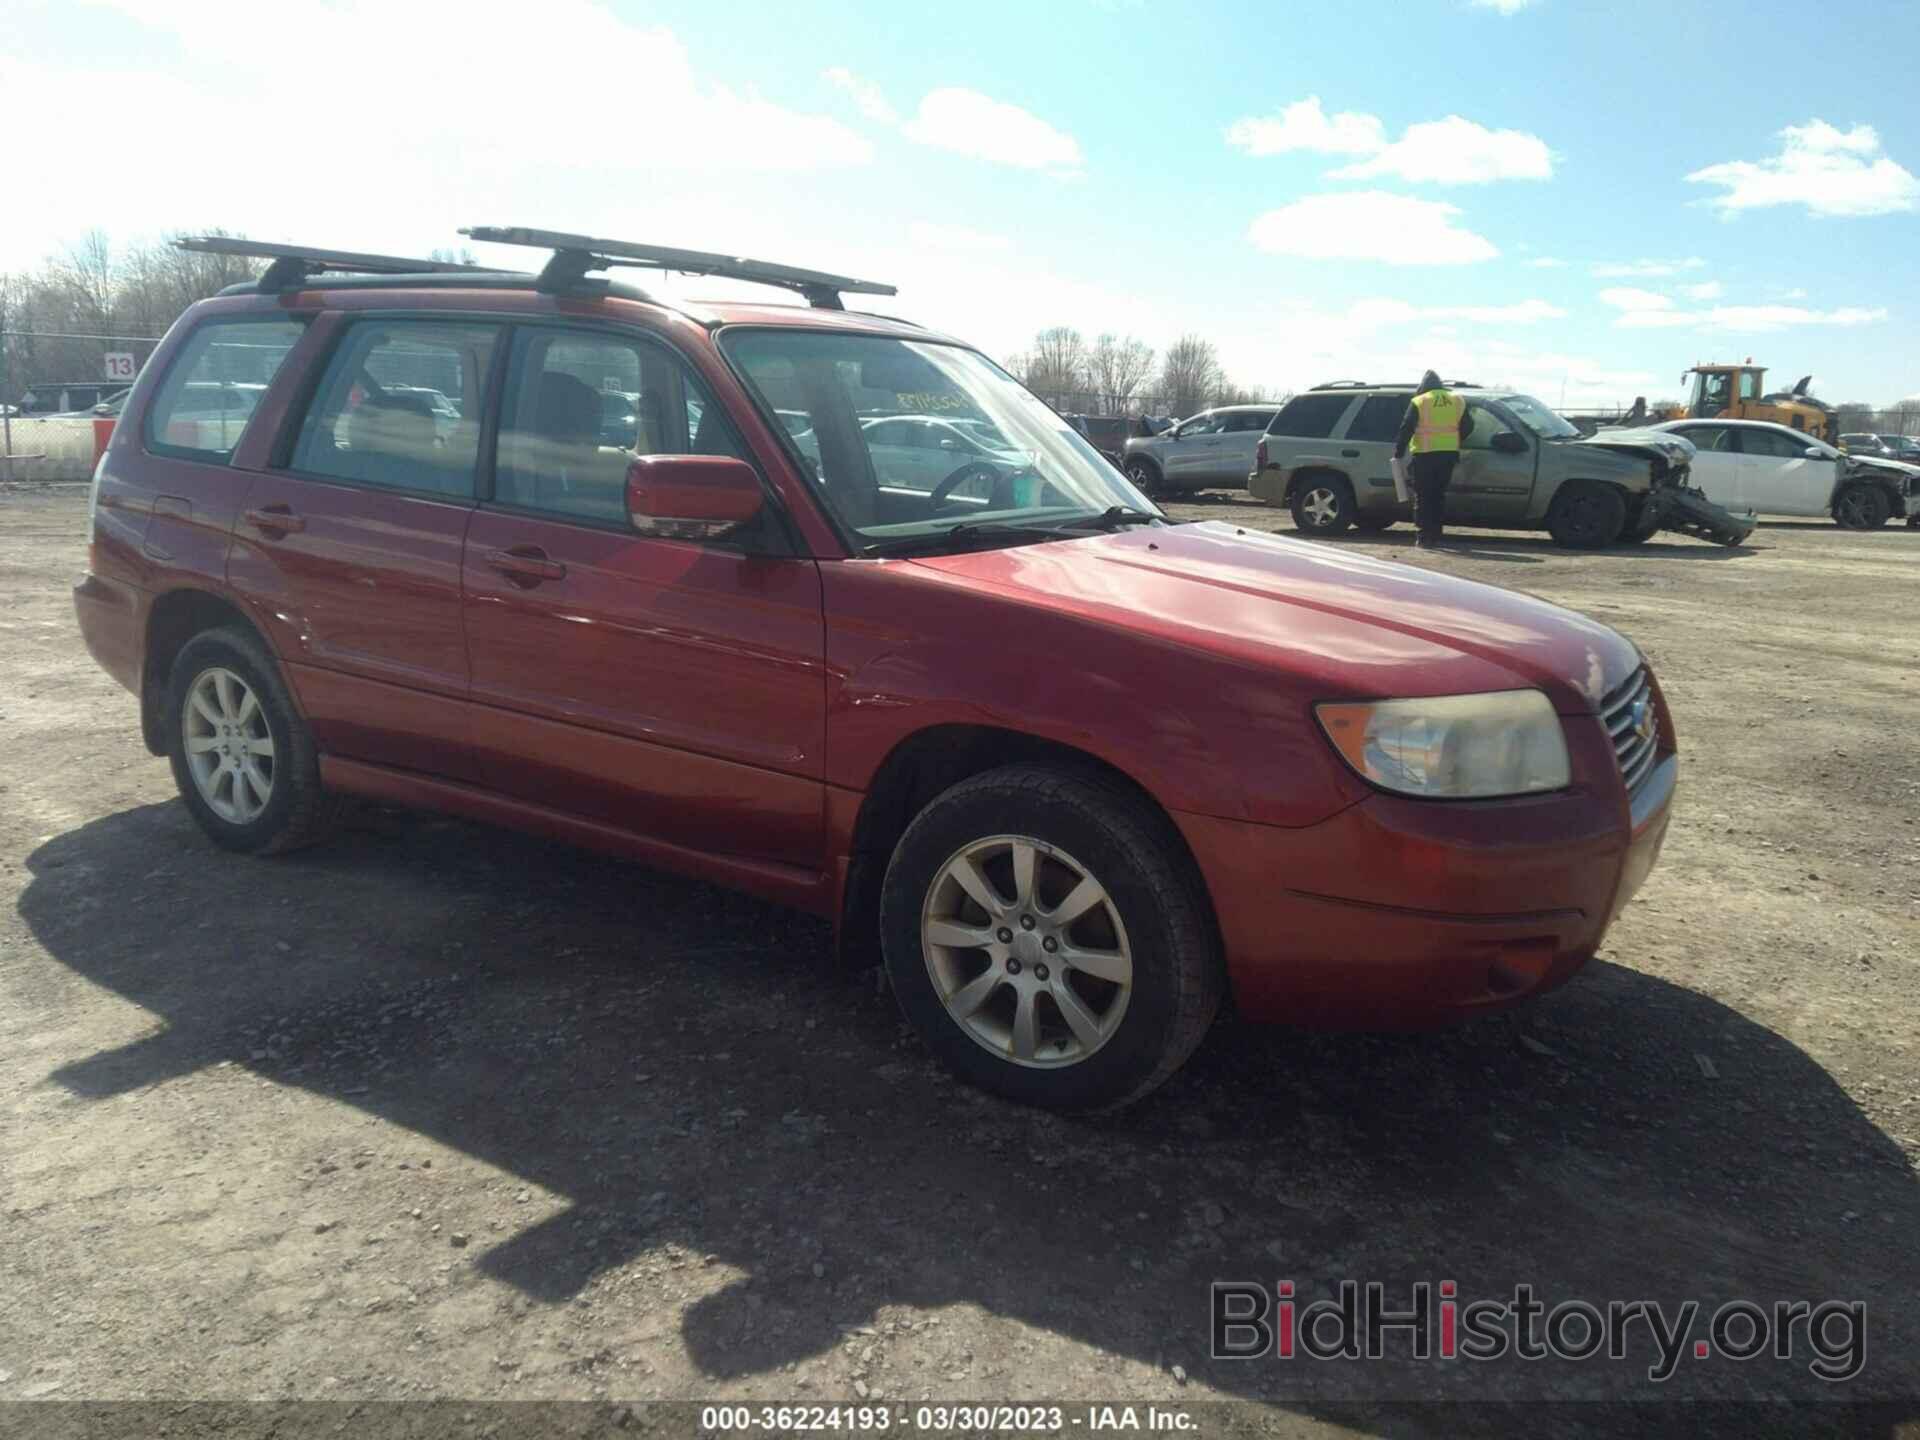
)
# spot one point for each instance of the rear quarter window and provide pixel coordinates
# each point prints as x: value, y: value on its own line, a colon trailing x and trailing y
x: 212, y: 388
x: 1379, y: 418
x: 1310, y: 417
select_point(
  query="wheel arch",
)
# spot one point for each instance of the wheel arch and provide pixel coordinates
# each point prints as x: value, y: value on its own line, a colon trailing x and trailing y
x: 1140, y: 457
x: 1311, y: 471
x: 174, y: 619
x: 932, y: 760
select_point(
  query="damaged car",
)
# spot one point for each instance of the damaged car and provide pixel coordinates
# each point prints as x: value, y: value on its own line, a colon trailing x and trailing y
x: 1327, y: 456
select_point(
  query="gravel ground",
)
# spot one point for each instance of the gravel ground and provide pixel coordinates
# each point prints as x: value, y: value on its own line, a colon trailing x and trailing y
x: 439, y: 1111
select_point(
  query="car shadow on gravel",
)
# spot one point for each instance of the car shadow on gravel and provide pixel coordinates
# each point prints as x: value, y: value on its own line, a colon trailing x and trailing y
x: 692, y: 1074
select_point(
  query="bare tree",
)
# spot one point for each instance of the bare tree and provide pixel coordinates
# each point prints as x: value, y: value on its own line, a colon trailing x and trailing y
x: 1057, y: 364
x: 1116, y: 369
x: 1190, y: 374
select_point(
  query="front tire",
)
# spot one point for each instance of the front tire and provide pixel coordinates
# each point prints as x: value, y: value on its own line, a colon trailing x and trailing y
x: 1047, y: 935
x: 1145, y: 476
x: 243, y: 759
x: 1586, y: 515
x: 1323, y: 505
x: 1861, y: 507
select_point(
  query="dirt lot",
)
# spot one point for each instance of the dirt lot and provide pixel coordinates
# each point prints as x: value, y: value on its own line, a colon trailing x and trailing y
x: 433, y: 1110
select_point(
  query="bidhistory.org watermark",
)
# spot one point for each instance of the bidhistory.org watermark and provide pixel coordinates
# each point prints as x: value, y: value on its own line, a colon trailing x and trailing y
x: 1431, y: 1321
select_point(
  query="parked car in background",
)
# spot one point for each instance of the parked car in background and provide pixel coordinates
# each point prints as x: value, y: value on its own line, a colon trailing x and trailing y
x: 1905, y: 448
x: 1862, y: 443
x: 1072, y: 774
x: 1328, y: 455
x: 1211, y: 450
x: 1106, y: 433
x: 1766, y: 469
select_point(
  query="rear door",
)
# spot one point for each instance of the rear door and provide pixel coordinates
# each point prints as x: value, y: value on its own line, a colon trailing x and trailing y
x: 1367, y: 449
x: 349, y: 550
x: 671, y: 688
x: 1239, y: 436
x: 1717, y: 464
x: 1781, y: 479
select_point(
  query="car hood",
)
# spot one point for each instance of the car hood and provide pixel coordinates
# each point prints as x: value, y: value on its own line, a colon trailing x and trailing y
x: 1352, y: 626
x: 1884, y: 464
x: 1674, y: 449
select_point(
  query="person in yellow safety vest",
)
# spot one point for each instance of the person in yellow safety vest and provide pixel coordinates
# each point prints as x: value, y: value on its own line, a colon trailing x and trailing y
x: 1431, y: 431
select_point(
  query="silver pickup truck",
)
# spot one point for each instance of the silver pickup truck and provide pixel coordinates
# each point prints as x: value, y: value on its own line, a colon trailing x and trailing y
x: 1328, y: 456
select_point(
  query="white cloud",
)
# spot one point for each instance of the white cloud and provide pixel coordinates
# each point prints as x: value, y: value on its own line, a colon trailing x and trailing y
x: 1625, y: 298
x: 1828, y: 170
x: 870, y: 99
x: 1545, y: 262
x: 1646, y: 269
x: 1505, y: 7
x: 1453, y: 151
x: 1370, y: 225
x: 1380, y: 313
x: 1456, y: 151
x: 1303, y: 125
x: 969, y: 123
x: 1711, y: 290
x: 956, y: 237
x: 1749, y: 319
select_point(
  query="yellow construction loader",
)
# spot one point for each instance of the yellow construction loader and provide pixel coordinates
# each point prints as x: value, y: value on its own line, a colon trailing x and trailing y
x: 1738, y: 392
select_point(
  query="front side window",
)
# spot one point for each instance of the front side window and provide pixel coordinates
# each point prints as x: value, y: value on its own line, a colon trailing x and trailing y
x: 212, y: 390
x: 1202, y: 425
x: 904, y: 439
x: 1778, y: 445
x: 1486, y: 425
x: 375, y: 420
x: 580, y: 405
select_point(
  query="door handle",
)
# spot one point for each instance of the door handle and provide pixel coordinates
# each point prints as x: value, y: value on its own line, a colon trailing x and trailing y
x: 526, y: 562
x: 276, y: 518
x: 1350, y: 454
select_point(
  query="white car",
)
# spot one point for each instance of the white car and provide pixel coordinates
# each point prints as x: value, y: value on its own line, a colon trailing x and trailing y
x: 1760, y: 468
x: 921, y: 452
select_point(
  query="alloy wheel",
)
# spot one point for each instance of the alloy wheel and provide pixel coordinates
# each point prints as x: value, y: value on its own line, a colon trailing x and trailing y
x: 1027, y: 952
x: 229, y: 747
x: 1322, y: 506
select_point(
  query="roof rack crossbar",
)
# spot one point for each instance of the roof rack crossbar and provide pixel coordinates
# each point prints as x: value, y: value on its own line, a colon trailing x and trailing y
x: 294, y: 264
x: 575, y: 255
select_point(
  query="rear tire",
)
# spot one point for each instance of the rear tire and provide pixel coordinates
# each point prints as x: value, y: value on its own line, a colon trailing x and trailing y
x: 1016, y: 1013
x: 1861, y: 507
x: 1586, y: 515
x: 243, y: 758
x: 1323, y: 505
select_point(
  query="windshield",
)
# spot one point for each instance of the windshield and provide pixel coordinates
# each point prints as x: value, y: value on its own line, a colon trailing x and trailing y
x: 1538, y: 418
x: 907, y: 438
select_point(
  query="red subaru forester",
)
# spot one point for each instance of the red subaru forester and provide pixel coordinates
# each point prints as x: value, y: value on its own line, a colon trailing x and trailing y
x: 828, y: 608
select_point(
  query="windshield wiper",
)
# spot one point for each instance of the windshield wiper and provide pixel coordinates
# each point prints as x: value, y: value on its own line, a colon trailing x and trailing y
x: 1114, y: 517
x: 956, y: 534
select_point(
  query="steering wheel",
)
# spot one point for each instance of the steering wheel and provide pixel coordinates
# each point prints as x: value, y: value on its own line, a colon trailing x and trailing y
x: 1001, y: 497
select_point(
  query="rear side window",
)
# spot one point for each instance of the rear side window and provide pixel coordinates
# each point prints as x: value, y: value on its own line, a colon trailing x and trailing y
x: 211, y: 391
x: 1772, y: 444
x: 1248, y: 420
x: 374, y: 420
x: 1310, y: 417
x: 1379, y: 418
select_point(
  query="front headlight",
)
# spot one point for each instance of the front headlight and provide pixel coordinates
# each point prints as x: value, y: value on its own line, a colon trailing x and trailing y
x: 1453, y: 747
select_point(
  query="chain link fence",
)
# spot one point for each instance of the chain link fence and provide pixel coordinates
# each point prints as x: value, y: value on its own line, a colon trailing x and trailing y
x: 53, y: 385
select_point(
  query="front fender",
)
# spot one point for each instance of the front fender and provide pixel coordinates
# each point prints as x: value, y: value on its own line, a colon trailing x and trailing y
x: 1201, y: 733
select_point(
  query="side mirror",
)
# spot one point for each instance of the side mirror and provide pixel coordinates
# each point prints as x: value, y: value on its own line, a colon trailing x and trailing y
x: 949, y: 443
x: 1508, y: 443
x: 691, y: 497
x: 1814, y: 452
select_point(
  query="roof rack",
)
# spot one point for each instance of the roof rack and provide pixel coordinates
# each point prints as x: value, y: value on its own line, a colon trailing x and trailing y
x: 294, y: 264
x: 575, y: 255
x: 1395, y: 385
x: 1344, y: 385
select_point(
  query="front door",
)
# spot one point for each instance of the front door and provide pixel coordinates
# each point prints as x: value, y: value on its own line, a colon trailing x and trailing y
x: 1491, y: 487
x: 1781, y: 477
x: 671, y: 688
x: 1192, y: 450
x: 350, y: 551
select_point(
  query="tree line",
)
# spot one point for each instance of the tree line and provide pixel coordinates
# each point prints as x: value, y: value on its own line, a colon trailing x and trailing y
x: 94, y: 289
x: 1121, y: 375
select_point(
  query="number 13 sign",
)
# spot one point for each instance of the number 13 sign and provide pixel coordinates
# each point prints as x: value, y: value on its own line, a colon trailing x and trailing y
x: 121, y: 366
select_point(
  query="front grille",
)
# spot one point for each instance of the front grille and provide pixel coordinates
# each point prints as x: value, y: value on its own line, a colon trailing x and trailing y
x: 1633, y: 722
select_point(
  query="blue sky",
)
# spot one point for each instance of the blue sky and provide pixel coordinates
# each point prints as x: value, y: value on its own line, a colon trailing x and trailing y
x: 1345, y: 191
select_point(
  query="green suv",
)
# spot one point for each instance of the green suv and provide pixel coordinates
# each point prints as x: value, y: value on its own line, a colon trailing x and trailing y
x: 1328, y: 454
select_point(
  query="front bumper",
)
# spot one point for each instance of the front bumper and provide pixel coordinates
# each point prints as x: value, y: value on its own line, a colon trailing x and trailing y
x: 1407, y: 914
